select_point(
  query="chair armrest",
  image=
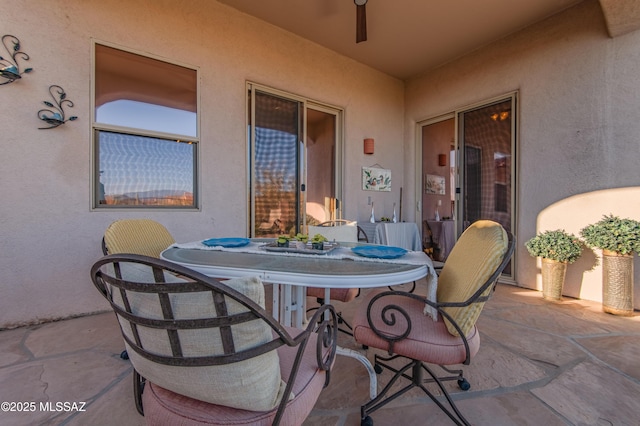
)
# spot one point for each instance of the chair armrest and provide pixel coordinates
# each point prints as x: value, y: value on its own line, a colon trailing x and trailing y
x: 326, y: 327
x: 391, y: 309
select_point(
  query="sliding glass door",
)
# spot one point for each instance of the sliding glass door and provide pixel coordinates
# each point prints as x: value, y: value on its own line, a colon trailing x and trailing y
x: 477, y: 180
x: 486, y: 143
x: 486, y: 147
x: 294, y: 158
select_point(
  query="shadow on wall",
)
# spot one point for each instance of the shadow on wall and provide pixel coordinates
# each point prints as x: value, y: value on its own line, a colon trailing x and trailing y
x: 584, y: 277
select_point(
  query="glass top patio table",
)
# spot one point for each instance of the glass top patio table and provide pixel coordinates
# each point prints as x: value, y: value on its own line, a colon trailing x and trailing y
x: 291, y: 274
x: 310, y: 270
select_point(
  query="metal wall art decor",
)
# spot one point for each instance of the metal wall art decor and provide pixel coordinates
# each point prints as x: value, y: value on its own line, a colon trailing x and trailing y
x: 9, y: 68
x: 54, y: 115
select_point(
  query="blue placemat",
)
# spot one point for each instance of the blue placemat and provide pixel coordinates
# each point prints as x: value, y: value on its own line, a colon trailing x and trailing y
x: 226, y: 242
x: 379, y: 252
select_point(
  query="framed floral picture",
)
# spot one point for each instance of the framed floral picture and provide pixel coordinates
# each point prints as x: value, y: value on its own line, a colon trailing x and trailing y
x: 376, y: 179
x: 434, y: 184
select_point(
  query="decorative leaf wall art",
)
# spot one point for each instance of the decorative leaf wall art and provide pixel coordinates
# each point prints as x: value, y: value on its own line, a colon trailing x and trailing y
x: 54, y: 115
x: 9, y: 67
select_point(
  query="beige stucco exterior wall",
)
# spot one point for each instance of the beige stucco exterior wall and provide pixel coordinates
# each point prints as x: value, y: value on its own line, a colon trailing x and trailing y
x: 50, y: 236
x: 578, y: 102
x: 578, y: 143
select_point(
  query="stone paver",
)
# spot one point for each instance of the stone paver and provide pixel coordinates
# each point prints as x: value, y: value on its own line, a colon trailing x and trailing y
x: 539, y: 363
x: 591, y: 393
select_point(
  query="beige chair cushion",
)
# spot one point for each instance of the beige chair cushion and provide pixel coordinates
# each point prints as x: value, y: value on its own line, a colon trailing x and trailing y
x: 137, y: 236
x: 162, y: 407
x: 341, y: 233
x: 476, y: 256
x: 344, y: 233
x: 254, y: 384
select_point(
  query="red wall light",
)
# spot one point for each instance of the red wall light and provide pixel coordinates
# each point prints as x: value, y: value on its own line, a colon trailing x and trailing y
x: 368, y: 146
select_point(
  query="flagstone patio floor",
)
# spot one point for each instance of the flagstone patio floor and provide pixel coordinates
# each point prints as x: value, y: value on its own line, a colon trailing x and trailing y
x: 540, y: 363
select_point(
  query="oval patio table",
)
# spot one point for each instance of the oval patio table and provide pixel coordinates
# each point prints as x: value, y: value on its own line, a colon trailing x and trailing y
x: 290, y: 274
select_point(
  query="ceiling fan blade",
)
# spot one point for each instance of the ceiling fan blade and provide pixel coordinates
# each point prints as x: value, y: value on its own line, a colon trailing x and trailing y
x: 361, y: 23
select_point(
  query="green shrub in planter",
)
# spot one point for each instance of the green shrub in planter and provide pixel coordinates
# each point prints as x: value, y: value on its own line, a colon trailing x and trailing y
x: 318, y: 240
x: 613, y: 234
x: 555, y: 245
x: 618, y: 239
x: 283, y: 240
x: 301, y: 237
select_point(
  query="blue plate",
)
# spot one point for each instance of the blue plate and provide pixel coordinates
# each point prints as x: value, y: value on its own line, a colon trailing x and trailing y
x: 226, y: 242
x: 379, y: 252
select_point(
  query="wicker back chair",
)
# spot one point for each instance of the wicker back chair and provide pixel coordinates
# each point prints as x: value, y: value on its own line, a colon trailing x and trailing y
x: 396, y: 322
x: 207, y: 352
x: 136, y: 236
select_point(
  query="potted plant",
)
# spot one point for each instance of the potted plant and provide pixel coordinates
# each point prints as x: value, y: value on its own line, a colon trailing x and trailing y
x: 301, y: 241
x: 317, y: 242
x: 557, y: 249
x: 618, y: 239
x: 283, y: 241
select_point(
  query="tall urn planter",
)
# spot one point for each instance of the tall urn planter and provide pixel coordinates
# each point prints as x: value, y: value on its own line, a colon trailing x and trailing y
x: 618, y: 239
x: 557, y: 249
x: 617, y: 283
x: 553, y: 275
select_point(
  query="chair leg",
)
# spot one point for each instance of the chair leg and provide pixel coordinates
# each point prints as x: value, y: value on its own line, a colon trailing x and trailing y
x: 138, y: 388
x: 380, y: 400
x: 458, y: 375
x: 456, y: 415
x: 416, y: 379
x: 463, y: 384
x: 341, y: 319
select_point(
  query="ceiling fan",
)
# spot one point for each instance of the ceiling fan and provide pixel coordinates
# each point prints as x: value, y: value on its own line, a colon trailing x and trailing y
x: 361, y: 20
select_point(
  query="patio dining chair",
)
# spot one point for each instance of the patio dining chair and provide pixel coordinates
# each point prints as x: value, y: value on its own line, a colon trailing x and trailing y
x: 207, y: 352
x: 343, y: 231
x: 396, y: 322
x: 136, y: 236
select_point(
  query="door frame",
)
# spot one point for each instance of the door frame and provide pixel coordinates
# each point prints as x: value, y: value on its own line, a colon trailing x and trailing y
x: 456, y: 114
x: 307, y: 103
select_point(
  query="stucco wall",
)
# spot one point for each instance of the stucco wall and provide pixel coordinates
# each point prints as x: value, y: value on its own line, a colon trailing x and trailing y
x: 50, y: 237
x: 578, y: 103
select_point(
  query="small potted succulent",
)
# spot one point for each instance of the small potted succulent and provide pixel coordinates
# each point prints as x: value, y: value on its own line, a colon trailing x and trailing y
x: 301, y: 241
x: 618, y: 239
x: 317, y: 242
x: 557, y: 249
x: 283, y: 240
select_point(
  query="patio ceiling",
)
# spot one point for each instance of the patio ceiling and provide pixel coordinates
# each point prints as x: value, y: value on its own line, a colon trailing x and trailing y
x: 405, y: 37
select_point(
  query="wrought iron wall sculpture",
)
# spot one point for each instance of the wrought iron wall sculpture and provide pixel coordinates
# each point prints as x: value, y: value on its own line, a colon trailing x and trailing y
x: 54, y: 115
x: 9, y: 68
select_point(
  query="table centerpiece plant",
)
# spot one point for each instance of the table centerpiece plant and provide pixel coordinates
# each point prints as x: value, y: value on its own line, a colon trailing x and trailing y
x: 318, y: 240
x: 283, y: 240
x: 301, y: 240
x: 557, y: 249
x: 618, y: 239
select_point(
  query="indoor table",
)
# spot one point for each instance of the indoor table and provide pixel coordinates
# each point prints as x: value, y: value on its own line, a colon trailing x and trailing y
x: 399, y: 234
x: 444, y: 235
